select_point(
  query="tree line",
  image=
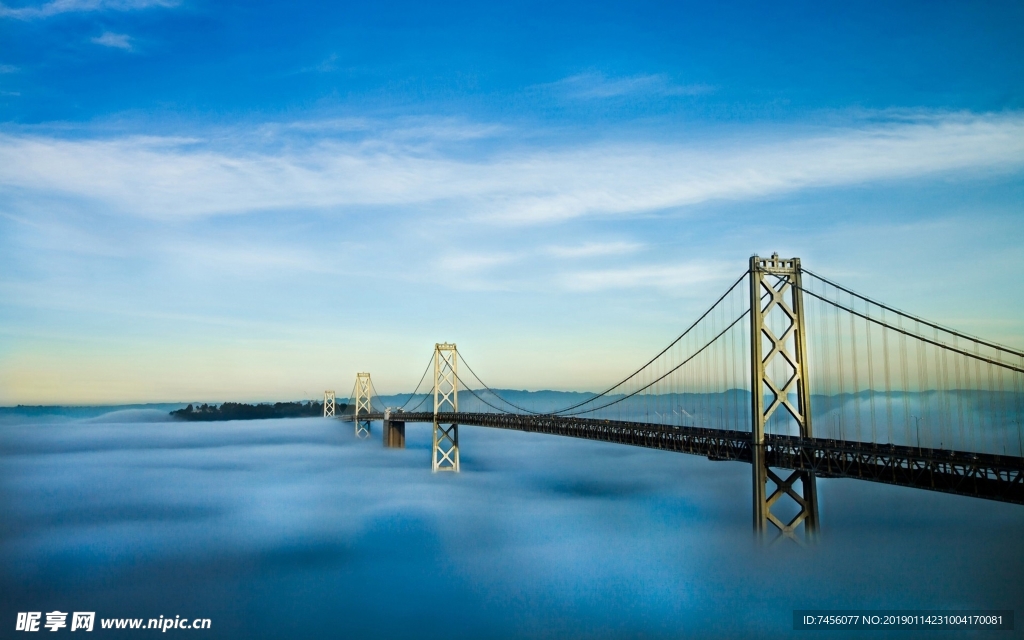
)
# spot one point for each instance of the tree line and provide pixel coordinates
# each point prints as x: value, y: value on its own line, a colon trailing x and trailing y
x: 240, y: 411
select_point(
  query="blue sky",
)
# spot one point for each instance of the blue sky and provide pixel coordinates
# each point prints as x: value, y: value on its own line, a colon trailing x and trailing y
x: 213, y: 201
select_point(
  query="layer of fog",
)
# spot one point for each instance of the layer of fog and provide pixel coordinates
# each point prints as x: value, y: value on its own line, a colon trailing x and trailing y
x: 293, y: 527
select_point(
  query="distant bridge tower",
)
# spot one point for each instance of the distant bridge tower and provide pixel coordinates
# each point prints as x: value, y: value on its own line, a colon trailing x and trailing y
x: 328, y: 404
x: 445, y: 455
x: 780, y: 377
x: 363, y: 405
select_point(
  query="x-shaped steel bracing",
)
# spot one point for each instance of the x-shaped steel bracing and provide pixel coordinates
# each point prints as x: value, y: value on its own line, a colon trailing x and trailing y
x: 778, y: 299
x: 328, y: 404
x: 446, y: 449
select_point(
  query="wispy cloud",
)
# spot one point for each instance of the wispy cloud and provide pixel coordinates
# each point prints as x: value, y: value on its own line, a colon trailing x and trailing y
x: 8, y: 68
x: 250, y: 260
x: 164, y: 177
x: 675, y: 277
x: 330, y: 63
x: 593, y: 249
x: 470, y: 263
x: 115, y: 40
x: 56, y: 7
x: 596, y: 85
x: 416, y: 134
x: 468, y: 271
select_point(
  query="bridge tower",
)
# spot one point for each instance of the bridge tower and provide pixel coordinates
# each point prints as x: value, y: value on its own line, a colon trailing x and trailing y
x: 361, y: 396
x: 779, y: 377
x: 328, y: 404
x: 445, y: 456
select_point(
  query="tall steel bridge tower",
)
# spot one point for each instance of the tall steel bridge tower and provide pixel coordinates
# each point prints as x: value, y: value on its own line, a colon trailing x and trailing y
x: 779, y: 381
x: 363, y: 404
x: 445, y: 456
x: 328, y: 404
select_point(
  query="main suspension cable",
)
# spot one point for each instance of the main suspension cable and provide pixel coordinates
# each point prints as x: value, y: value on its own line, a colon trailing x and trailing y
x: 960, y: 334
x: 662, y: 352
x: 916, y: 336
x: 412, y: 395
x: 496, y: 394
x: 670, y: 371
x: 374, y: 394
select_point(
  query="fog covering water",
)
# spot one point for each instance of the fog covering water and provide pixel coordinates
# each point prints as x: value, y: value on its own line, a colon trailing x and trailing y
x: 293, y: 528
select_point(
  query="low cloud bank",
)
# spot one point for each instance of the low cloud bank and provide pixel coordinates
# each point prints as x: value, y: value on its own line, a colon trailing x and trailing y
x: 539, y: 533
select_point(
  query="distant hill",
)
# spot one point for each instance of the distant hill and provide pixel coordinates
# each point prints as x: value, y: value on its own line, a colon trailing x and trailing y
x: 59, y: 413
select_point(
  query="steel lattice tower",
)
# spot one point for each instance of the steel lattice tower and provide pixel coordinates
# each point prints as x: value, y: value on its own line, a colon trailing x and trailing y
x: 776, y: 300
x: 445, y: 456
x: 363, y: 404
x: 328, y: 404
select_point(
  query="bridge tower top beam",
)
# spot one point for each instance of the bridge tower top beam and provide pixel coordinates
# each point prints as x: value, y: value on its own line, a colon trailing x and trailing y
x: 446, y: 381
x: 777, y: 315
x: 361, y: 396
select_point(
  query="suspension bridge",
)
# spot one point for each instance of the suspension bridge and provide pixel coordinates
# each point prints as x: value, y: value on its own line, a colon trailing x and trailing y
x: 799, y: 376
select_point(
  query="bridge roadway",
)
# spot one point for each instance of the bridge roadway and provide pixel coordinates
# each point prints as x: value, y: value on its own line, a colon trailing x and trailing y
x: 970, y: 474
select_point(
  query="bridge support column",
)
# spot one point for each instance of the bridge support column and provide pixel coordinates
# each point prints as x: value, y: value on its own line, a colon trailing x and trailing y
x: 445, y: 452
x: 362, y: 404
x: 328, y: 404
x: 394, y: 432
x: 779, y: 380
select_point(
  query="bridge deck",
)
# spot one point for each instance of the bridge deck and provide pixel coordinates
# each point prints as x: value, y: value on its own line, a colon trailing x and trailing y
x: 970, y: 474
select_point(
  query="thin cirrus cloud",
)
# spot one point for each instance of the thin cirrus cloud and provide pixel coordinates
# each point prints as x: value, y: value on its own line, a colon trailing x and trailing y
x: 593, y: 249
x: 114, y: 40
x: 143, y: 176
x: 677, y: 277
x: 403, y: 129
x: 593, y: 85
x: 57, y: 7
x: 475, y: 262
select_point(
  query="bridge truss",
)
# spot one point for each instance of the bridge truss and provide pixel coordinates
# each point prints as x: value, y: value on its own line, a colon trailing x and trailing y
x: 992, y: 477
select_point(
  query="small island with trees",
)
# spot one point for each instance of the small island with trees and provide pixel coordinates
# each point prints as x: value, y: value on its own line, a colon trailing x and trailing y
x: 239, y: 411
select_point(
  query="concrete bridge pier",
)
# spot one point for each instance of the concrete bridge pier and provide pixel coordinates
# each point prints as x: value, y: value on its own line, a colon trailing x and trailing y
x: 394, y: 432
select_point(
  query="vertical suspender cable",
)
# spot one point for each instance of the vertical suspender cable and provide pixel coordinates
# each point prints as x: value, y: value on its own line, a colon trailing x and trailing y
x: 831, y: 408
x: 888, y: 380
x: 842, y: 369
x: 978, y: 441
x: 1018, y: 401
x: 945, y: 423
x: 871, y: 375
x: 1000, y: 409
x: 977, y: 401
x: 856, y: 371
x: 924, y: 397
x: 822, y: 364
x: 904, y: 381
x: 957, y: 393
x: 991, y: 409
